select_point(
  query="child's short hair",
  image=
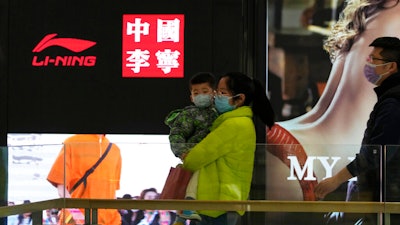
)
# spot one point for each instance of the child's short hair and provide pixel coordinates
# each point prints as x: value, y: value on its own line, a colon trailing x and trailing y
x: 202, y: 77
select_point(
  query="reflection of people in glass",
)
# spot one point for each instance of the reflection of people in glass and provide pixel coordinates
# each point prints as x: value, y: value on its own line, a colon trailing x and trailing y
x: 129, y: 216
x: 147, y: 216
x: 80, y: 153
x: 12, y: 219
x: 25, y: 218
x: 340, y: 115
x: 381, y: 69
x: 154, y: 217
x: 50, y: 217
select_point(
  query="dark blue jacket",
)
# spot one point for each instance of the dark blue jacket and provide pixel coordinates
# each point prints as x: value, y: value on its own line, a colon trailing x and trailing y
x: 383, y: 129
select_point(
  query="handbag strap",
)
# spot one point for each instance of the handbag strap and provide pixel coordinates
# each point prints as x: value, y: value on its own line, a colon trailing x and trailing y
x: 90, y: 170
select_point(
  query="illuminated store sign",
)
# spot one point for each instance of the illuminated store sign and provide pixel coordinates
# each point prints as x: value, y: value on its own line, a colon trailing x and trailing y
x: 72, y: 44
x: 153, y: 46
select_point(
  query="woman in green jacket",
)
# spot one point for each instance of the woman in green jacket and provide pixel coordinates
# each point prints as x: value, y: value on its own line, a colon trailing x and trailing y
x: 225, y: 157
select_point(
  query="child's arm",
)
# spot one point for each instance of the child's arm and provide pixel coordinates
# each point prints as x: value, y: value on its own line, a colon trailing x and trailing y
x: 181, y: 128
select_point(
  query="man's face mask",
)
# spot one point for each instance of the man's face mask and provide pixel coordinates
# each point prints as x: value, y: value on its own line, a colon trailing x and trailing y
x: 371, y: 75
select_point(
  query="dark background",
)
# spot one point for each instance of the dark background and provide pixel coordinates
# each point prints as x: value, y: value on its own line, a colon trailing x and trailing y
x: 97, y: 99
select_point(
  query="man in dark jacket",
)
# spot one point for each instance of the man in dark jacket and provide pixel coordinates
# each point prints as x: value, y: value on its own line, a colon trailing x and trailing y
x: 381, y: 135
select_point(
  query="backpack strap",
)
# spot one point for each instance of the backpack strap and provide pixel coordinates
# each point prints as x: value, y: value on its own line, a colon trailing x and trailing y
x: 90, y: 170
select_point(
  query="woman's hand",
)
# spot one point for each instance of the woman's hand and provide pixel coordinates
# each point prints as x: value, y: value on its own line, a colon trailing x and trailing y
x: 183, y: 156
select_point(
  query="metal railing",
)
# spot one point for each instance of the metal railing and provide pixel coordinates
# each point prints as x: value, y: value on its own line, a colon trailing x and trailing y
x: 91, y: 206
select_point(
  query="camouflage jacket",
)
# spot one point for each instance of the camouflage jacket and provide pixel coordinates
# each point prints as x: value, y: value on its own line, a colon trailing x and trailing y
x: 189, y: 126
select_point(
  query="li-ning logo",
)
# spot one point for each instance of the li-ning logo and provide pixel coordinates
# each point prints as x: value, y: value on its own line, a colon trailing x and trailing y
x: 72, y: 44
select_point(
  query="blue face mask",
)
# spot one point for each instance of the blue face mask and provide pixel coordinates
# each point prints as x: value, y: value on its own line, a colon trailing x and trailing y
x: 222, y: 104
x: 371, y: 75
x: 202, y: 100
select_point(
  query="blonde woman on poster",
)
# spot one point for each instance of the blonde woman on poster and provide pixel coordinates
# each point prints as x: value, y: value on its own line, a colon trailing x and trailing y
x: 339, y: 118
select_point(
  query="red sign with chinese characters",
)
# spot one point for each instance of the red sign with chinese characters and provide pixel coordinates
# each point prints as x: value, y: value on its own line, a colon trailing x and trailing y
x: 152, y: 45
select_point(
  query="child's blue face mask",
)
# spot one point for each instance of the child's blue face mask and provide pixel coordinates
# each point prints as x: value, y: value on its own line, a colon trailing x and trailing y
x: 202, y: 100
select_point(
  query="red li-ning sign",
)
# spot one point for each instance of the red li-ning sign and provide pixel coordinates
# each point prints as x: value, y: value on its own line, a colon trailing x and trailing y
x: 71, y: 44
x: 152, y: 45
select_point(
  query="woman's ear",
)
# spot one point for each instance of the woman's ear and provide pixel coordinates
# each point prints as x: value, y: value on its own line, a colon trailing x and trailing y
x: 239, y: 100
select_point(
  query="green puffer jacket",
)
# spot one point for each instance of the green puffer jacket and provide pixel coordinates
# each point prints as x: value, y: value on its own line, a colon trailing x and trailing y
x: 225, y: 159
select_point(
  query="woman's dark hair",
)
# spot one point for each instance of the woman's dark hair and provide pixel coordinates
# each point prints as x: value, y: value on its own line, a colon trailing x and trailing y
x: 256, y: 96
